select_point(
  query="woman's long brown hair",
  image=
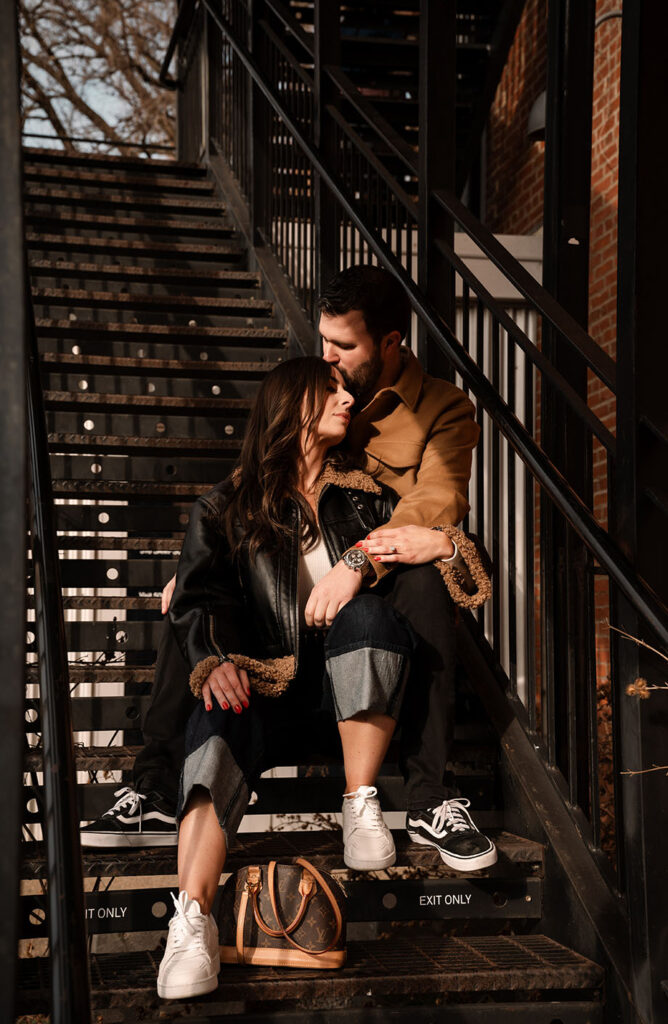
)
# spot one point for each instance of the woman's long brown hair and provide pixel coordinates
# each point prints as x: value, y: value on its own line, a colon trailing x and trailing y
x: 291, y: 396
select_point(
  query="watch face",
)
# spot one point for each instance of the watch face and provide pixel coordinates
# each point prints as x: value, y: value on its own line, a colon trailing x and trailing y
x: 355, y: 559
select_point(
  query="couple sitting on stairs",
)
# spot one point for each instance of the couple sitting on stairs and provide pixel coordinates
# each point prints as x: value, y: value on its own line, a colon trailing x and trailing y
x: 310, y: 614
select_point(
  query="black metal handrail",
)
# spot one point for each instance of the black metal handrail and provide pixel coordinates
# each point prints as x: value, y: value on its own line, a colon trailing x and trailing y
x: 70, y: 983
x: 565, y: 499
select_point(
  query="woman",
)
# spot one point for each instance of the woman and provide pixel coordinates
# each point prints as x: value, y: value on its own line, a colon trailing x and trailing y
x: 271, y: 687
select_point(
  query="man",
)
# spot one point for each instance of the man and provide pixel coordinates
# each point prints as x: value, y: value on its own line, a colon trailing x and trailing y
x: 415, y: 434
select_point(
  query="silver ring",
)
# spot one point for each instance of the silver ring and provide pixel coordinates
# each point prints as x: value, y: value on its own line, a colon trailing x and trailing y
x: 393, y: 551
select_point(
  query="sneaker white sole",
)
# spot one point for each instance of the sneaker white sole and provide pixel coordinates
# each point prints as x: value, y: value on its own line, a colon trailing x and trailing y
x: 361, y: 864
x: 112, y: 840
x: 187, y: 989
x: 483, y: 860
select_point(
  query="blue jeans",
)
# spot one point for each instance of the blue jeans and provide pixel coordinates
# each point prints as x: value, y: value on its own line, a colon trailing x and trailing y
x: 362, y: 664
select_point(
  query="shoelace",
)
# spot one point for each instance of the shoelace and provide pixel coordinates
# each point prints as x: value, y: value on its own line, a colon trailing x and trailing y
x: 180, y: 926
x: 129, y: 799
x: 363, y: 809
x: 452, y: 814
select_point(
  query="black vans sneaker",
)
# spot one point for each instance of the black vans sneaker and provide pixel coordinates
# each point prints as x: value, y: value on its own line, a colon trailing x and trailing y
x: 136, y: 819
x: 450, y: 830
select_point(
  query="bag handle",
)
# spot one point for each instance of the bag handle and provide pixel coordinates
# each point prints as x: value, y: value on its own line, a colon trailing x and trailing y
x: 306, y: 888
x: 330, y: 897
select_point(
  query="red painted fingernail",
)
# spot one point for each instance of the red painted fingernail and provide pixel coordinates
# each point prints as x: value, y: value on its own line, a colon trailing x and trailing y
x: 359, y: 544
x: 237, y: 709
x: 376, y: 558
x: 225, y: 705
x: 245, y: 703
x: 208, y: 707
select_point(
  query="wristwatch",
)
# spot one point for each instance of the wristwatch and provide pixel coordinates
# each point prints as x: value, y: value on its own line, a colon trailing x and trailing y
x: 358, y: 560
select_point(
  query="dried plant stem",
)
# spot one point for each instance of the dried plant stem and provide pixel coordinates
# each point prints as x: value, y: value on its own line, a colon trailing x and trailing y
x: 643, y: 771
x: 641, y: 643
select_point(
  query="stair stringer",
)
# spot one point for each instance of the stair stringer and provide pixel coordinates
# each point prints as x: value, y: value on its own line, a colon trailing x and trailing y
x: 580, y: 906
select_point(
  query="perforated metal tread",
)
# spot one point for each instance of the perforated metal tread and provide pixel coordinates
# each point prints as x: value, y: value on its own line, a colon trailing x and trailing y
x: 517, y: 855
x: 387, y: 969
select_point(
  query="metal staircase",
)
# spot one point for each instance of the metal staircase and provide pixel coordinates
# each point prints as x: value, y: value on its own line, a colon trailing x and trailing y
x: 154, y: 330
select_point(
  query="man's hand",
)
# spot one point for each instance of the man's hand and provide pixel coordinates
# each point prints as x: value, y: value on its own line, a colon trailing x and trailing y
x: 328, y: 596
x: 229, y: 685
x: 167, y: 594
x: 409, y: 545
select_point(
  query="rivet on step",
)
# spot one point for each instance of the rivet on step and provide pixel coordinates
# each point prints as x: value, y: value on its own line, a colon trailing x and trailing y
x: 192, y: 323
x: 31, y: 715
x: 204, y: 356
x: 183, y: 519
x: 150, y: 387
x: 30, y: 637
x: 229, y: 429
x: 95, y: 467
x: 76, y: 351
x: 215, y: 389
x: 389, y: 901
x: 89, y: 424
x: 121, y: 637
x: 37, y: 916
x: 160, y: 428
x: 72, y: 317
x: 141, y: 353
x: 83, y: 385
x: 112, y: 574
x: 103, y: 517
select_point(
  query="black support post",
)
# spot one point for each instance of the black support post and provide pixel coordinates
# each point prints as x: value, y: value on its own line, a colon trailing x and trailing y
x: 436, y: 166
x: 327, y: 51
x: 12, y: 499
x: 260, y: 121
x: 566, y: 566
x: 637, y: 519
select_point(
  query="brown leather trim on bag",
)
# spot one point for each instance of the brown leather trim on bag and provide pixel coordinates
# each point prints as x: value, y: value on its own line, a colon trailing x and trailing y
x: 328, y: 893
x: 241, y: 922
x: 258, y: 957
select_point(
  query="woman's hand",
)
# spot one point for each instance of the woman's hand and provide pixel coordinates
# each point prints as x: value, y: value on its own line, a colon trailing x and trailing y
x: 409, y: 545
x: 330, y: 594
x: 229, y: 685
x: 167, y: 594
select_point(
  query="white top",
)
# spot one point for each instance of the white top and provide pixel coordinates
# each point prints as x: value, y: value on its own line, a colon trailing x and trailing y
x: 313, y: 565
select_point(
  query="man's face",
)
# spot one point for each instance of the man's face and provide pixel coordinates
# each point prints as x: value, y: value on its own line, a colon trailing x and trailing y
x: 347, y: 344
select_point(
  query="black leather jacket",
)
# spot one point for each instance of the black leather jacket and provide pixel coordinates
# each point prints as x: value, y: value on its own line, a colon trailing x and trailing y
x: 222, y: 606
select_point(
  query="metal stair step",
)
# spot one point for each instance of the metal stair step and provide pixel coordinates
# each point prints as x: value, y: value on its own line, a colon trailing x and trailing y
x: 106, y: 603
x: 187, y: 406
x: 169, y: 544
x: 207, y: 304
x: 42, y: 156
x: 152, y: 179
x: 120, y: 225
x: 133, y: 445
x: 121, y: 365
x: 287, y: 796
x: 386, y: 972
x: 137, y: 249
x: 164, y: 518
x: 182, y: 276
x: 126, y: 490
x: 91, y: 195
x: 418, y: 887
x: 84, y: 329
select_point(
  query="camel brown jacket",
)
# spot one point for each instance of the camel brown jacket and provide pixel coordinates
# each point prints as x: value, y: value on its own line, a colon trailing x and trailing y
x: 417, y: 437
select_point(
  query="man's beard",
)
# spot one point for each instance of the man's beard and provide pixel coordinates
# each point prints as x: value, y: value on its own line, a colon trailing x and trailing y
x: 362, y: 382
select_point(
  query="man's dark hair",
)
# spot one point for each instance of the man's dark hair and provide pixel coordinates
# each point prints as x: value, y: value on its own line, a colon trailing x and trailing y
x: 375, y: 292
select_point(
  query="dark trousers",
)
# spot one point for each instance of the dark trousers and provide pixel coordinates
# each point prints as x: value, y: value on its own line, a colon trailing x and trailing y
x: 425, y: 722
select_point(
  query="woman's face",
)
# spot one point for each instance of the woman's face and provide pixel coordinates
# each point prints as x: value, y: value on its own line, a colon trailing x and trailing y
x: 335, y: 417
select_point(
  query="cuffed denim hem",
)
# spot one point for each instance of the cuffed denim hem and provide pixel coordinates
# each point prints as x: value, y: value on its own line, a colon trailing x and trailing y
x: 213, y: 766
x: 368, y: 679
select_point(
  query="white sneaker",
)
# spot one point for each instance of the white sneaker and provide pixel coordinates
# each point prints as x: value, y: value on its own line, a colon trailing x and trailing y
x: 191, y: 962
x: 367, y: 841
